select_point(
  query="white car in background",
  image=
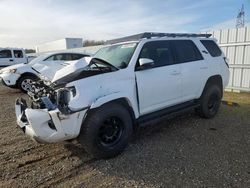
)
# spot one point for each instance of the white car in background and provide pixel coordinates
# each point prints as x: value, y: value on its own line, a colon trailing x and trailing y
x: 22, y: 75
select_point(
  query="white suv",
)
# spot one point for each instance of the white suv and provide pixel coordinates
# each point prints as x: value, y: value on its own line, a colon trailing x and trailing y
x: 128, y: 83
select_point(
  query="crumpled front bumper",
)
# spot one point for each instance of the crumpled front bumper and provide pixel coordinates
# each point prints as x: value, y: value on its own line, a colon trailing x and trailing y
x: 9, y: 79
x: 47, y: 126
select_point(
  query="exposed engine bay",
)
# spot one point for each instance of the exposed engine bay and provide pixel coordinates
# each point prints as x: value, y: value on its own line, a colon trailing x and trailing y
x: 42, y: 96
x: 45, y: 94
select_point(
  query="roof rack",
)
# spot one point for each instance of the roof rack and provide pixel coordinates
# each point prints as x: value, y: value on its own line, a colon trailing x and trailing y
x: 149, y: 35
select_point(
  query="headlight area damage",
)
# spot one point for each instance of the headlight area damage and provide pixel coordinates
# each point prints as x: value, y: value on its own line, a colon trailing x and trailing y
x: 46, y: 116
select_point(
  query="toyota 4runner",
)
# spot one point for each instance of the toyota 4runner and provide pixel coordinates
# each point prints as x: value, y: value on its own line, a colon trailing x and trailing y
x: 130, y: 82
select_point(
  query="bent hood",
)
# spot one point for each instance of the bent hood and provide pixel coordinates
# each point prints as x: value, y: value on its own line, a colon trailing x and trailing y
x: 50, y: 69
x: 73, y: 66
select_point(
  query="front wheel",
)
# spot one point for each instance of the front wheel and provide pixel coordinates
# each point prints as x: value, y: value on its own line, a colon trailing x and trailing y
x: 210, y: 101
x: 106, y: 131
x: 25, y: 83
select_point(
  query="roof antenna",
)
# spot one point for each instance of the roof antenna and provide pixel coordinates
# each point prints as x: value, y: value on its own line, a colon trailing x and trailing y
x: 240, y: 20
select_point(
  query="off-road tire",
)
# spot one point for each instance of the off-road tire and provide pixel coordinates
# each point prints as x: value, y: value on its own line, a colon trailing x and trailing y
x: 210, y: 101
x: 91, y: 130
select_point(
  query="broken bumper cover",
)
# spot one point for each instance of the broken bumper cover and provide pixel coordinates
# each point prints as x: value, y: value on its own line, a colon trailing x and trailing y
x: 47, y: 126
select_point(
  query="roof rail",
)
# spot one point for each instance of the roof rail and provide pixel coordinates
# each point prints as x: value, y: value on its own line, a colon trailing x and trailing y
x: 149, y: 35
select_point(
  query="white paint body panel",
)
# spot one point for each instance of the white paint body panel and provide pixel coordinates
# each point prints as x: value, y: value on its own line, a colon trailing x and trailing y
x: 10, y: 78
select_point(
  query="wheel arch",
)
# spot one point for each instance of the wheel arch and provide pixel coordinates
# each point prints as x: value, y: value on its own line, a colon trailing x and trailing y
x: 214, y: 80
x: 27, y: 74
x: 19, y: 80
x: 124, y: 101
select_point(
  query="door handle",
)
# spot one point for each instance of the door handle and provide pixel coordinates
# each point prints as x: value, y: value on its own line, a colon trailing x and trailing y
x: 11, y: 60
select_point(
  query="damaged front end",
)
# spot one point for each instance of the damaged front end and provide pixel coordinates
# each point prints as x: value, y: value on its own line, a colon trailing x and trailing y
x: 55, y: 111
x: 46, y: 116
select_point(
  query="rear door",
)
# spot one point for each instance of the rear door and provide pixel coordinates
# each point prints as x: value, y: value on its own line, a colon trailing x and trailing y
x: 194, y: 69
x: 159, y: 86
x: 6, y: 58
x: 19, y: 57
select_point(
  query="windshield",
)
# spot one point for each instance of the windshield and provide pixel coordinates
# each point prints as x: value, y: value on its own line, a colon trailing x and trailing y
x: 117, y: 55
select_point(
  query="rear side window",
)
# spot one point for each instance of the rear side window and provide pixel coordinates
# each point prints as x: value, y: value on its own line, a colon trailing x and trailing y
x: 57, y: 57
x: 212, y: 48
x: 65, y: 57
x: 186, y: 51
x: 159, y: 51
x: 5, y: 54
x: 72, y: 57
x: 18, y: 54
x: 77, y: 56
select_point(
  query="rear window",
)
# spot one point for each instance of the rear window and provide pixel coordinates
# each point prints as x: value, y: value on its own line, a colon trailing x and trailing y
x: 212, y: 48
x: 186, y: 51
x: 18, y: 53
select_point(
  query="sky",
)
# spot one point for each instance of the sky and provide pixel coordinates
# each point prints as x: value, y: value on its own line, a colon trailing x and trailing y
x: 27, y: 23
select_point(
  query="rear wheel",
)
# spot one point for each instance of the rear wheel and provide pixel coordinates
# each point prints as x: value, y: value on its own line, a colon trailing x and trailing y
x: 24, y: 83
x: 106, y: 131
x: 210, y: 101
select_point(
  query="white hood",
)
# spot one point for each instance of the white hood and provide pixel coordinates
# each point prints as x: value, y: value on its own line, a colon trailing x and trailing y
x: 49, y: 68
x: 72, y: 67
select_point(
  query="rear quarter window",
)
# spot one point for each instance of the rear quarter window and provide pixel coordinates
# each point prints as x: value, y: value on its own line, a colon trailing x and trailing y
x: 212, y: 48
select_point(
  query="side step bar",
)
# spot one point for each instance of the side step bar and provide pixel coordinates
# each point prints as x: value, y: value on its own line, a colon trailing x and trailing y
x: 167, y: 113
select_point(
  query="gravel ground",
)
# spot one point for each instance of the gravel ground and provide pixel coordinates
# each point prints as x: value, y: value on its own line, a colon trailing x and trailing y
x: 183, y: 152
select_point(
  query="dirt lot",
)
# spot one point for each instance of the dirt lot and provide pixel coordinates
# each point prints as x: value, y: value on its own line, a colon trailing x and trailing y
x: 186, y: 151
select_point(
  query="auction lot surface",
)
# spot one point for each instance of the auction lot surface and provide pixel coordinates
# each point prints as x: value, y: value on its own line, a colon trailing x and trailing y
x: 185, y: 151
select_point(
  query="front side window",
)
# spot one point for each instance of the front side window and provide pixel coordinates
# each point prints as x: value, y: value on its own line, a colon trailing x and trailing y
x: 212, y: 48
x: 186, y: 51
x: 159, y: 51
x: 118, y: 55
x: 5, y: 54
x: 18, y: 53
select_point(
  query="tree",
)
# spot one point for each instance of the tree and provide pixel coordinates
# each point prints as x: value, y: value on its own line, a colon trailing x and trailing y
x: 27, y: 51
x: 93, y: 42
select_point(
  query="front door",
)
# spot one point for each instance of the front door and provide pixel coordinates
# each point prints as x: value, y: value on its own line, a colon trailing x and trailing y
x: 159, y: 86
x: 6, y: 58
